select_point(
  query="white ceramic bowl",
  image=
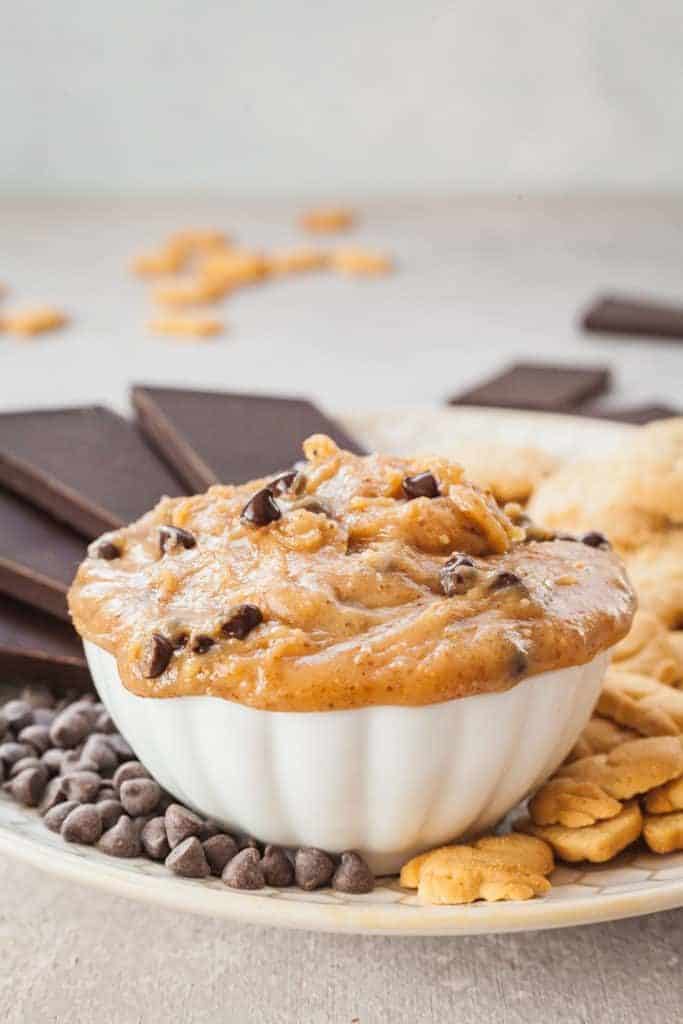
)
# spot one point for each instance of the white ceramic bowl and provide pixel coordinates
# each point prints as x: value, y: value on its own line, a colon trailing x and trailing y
x: 386, y: 781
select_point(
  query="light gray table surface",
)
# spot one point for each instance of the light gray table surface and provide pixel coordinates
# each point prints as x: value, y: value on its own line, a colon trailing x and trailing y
x: 480, y: 281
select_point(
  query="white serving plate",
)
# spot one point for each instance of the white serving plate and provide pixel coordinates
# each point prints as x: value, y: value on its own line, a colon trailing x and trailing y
x: 636, y: 883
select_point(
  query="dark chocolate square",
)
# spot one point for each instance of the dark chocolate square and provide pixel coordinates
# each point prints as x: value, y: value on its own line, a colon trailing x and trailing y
x: 213, y: 437
x: 539, y: 386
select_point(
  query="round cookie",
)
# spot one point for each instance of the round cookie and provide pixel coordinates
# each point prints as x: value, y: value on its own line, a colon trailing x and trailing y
x: 657, y: 469
x: 656, y: 571
x: 509, y: 472
x: 595, y: 495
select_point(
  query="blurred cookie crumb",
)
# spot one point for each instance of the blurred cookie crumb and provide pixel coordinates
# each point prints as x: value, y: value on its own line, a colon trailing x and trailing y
x: 190, y: 292
x: 186, y: 327
x: 38, y: 320
x: 327, y: 220
x: 288, y: 261
x: 356, y: 261
x: 168, y: 260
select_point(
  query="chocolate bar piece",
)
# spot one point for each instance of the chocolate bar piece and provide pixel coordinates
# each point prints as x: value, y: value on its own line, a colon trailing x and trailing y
x: 540, y: 386
x: 35, y: 648
x: 88, y: 467
x: 210, y: 437
x: 636, y: 414
x: 615, y: 314
x: 38, y: 556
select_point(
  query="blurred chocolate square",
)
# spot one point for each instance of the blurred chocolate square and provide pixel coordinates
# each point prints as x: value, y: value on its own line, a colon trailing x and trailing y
x: 544, y: 387
x: 617, y: 314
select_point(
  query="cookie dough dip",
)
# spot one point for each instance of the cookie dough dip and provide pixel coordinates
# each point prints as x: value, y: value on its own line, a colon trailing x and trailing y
x: 360, y: 652
x: 350, y: 582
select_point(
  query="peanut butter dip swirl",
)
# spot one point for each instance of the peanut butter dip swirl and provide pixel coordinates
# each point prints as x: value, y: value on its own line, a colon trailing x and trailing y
x: 348, y: 582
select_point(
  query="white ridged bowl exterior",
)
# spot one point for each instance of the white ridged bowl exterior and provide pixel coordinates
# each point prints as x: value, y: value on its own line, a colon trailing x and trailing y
x: 386, y: 781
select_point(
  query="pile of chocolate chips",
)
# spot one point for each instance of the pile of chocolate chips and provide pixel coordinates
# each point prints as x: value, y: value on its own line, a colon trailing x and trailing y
x: 68, y: 761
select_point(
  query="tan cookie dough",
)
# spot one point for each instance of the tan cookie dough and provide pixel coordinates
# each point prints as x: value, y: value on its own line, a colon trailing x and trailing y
x: 348, y: 589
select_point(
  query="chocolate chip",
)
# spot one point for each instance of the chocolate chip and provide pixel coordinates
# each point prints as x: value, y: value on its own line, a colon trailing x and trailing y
x: 244, y: 870
x: 423, y: 485
x: 277, y: 868
x: 187, y: 859
x: 52, y: 759
x: 458, y: 575
x: 261, y: 509
x: 82, y: 825
x: 109, y: 811
x: 38, y: 696
x: 179, y: 640
x: 594, y: 539
x: 139, y: 796
x: 218, y: 851
x: 69, y: 728
x: 82, y: 786
x: 122, y: 839
x: 98, y: 750
x: 24, y: 763
x: 312, y: 868
x: 210, y: 829
x: 44, y: 716
x: 129, y: 770
x: 158, y: 653
x: 180, y: 824
x: 17, y: 714
x: 249, y: 843
x: 353, y: 875
x: 28, y: 786
x: 291, y: 482
x: 121, y: 747
x: 72, y: 761
x: 56, y: 816
x: 54, y: 794
x: 107, y: 549
x: 154, y: 839
x: 11, y: 752
x: 86, y: 706
x: 202, y: 643
x: 105, y: 723
x: 242, y: 620
x: 502, y: 580
x: 174, y: 537
x: 38, y: 736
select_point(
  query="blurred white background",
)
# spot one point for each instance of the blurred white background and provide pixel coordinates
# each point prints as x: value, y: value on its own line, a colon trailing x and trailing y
x: 393, y: 96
